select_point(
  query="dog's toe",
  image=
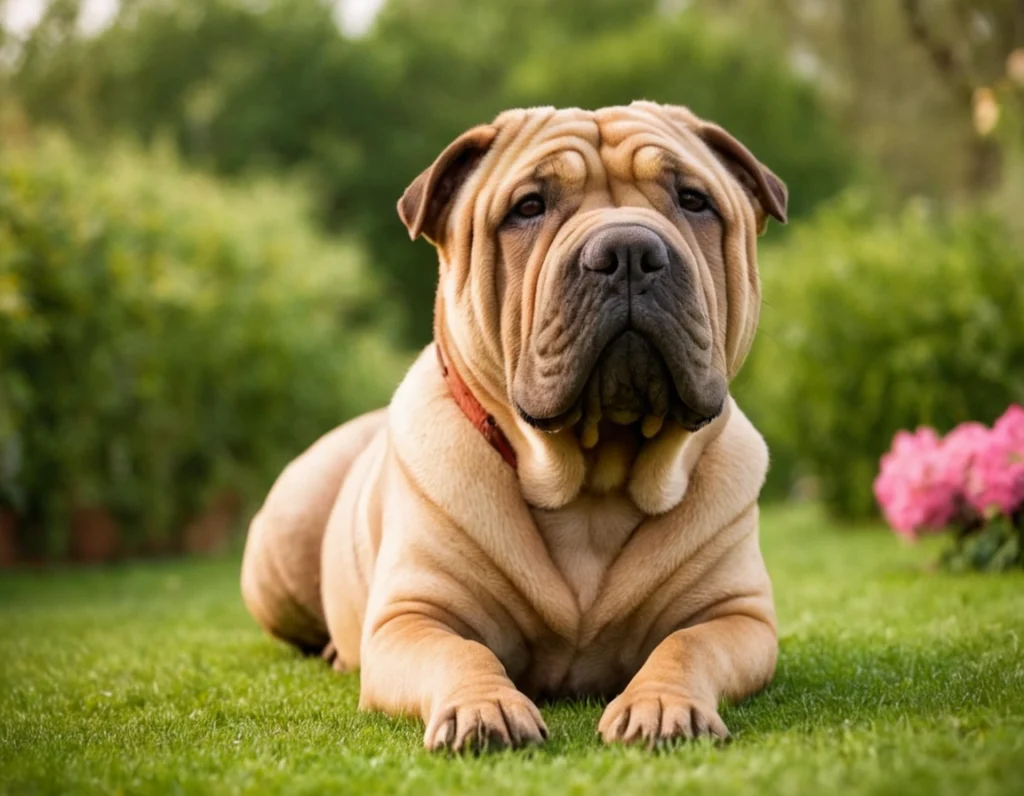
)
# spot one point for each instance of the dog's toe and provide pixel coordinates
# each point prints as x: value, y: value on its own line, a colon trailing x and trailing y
x: 506, y: 719
x: 657, y: 718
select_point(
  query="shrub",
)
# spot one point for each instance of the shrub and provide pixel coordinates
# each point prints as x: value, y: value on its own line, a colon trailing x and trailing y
x: 163, y: 339
x: 874, y: 324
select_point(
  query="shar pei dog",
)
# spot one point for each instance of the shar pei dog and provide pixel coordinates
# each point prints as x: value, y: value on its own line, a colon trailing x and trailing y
x: 561, y: 498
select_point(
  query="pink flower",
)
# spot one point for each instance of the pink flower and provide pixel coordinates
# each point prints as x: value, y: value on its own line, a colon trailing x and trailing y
x: 1011, y: 424
x: 959, y: 448
x: 995, y: 477
x: 925, y: 482
x: 915, y: 488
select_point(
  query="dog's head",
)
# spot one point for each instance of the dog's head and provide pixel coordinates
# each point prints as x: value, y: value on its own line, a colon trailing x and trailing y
x: 598, y: 281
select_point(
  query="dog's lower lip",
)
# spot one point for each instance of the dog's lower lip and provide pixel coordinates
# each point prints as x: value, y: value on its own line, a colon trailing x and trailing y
x: 684, y: 415
x: 689, y: 420
x: 530, y: 419
x: 693, y: 422
x: 554, y: 423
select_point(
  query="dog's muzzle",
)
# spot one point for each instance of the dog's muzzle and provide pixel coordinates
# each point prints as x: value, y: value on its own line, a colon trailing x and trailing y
x: 642, y: 351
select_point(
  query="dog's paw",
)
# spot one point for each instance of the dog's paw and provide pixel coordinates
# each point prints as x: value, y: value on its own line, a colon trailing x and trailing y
x: 504, y: 718
x: 657, y: 718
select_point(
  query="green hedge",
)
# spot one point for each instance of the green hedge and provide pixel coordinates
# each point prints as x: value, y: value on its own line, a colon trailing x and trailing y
x: 875, y: 323
x: 164, y: 339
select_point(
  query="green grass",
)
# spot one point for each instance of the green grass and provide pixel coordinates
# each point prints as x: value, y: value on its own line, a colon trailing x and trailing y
x: 152, y: 678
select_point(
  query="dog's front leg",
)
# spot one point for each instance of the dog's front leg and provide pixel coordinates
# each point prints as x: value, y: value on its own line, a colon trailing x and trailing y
x: 675, y: 694
x: 726, y: 651
x: 416, y: 663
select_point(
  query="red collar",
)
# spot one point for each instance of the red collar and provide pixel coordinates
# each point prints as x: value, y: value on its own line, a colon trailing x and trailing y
x: 475, y: 412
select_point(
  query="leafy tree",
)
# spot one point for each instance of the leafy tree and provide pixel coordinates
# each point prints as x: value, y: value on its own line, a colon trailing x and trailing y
x: 242, y: 87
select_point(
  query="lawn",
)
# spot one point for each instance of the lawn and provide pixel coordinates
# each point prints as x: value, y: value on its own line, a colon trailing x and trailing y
x: 151, y: 678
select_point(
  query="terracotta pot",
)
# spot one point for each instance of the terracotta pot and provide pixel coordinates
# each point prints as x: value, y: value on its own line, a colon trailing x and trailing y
x: 210, y: 531
x: 95, y: 536
x: 8, y: 538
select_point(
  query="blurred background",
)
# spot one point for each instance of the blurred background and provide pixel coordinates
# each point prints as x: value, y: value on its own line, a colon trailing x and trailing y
x: 201, y: 268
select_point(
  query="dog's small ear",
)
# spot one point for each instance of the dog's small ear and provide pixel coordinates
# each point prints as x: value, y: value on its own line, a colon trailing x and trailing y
x: 768, y: 192
x: 423, y: 206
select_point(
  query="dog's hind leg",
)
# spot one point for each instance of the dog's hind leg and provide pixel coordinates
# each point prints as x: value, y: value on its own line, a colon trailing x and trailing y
x: 281, y: 565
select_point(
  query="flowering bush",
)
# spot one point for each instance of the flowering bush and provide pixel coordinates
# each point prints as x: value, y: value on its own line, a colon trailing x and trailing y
x: 970, y: 481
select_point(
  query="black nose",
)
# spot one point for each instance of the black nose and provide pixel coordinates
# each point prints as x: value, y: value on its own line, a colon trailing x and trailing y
x: 627, y: 251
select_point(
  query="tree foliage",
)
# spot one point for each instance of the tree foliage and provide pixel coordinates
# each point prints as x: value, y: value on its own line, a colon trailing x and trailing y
x: 241, y: 86
x: 163, y: 337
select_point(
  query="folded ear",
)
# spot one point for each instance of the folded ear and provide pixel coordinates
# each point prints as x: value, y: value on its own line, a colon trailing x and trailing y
x: 424, y: 204
x: 767, y: 191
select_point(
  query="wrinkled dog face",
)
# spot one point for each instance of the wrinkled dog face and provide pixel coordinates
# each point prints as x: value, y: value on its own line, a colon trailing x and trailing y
x: 599, y: 265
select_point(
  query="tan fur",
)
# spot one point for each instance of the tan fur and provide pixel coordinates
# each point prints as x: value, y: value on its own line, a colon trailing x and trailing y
x: 466, y: 590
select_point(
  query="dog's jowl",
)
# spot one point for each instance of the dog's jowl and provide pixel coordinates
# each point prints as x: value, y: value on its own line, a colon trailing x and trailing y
x: 561, y: 499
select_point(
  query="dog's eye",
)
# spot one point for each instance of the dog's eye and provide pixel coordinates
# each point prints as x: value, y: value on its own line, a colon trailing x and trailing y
x: 693, y: 201
x: 529, y: 206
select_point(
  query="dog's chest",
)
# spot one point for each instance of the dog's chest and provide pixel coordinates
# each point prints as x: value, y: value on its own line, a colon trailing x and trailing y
x: 584, y: 538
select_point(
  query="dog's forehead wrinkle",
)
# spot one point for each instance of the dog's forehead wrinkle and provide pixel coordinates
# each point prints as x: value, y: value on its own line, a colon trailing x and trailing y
x: 673, y: 162
x: 602, y: 146
x: 619, y: 124
x: 567, y: 166
x: 552, y: 165
x: 517, y: 139
x: 549, y: 125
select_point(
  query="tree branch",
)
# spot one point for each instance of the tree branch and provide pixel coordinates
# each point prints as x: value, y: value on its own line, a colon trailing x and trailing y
x: 943, y: 57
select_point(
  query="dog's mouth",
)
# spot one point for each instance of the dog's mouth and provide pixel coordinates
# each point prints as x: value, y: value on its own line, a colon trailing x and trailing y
x: 630, y: 385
